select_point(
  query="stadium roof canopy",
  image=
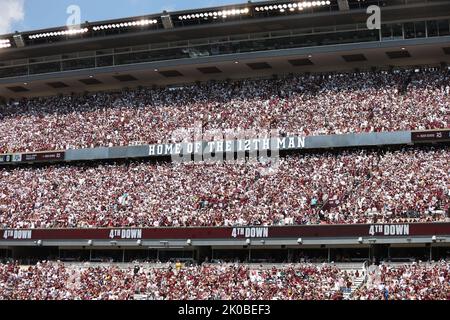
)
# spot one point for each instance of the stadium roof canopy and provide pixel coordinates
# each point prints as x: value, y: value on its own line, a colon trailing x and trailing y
x: 218, y: 21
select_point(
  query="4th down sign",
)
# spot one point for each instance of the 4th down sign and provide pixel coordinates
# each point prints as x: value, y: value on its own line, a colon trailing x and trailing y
x: 389, y: 230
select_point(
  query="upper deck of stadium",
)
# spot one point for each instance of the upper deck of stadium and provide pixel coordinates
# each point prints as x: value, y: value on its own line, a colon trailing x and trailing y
x: 242, y: 40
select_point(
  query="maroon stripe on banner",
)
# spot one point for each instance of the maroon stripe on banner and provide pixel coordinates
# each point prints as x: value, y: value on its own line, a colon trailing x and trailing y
x: 320, y: 231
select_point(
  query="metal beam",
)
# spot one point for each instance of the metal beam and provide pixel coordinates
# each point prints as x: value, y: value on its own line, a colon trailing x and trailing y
x: 178, y: 244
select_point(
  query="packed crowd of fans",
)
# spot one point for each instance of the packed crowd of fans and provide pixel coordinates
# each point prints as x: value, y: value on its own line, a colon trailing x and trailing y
x: 417, y: 281
x: 56, y: 281
x: 301, y: 105
x: 407, y: 185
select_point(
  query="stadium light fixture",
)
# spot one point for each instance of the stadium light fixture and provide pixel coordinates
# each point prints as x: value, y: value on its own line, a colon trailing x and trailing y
x: 139, y: 242
x: 137, y: 23
x: 360, y: 240
x: 248, y: 242
x: 5, y: 43
x: 292, y: 7
x: 215, y: 14
x: 189, y: 242
x: 69, y: 32
x: 90, y: 242
x: 434, y: 238
x: 299, y: 240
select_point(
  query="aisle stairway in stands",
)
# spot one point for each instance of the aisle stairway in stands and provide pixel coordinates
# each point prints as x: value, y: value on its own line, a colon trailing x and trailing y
x: 357, y: 283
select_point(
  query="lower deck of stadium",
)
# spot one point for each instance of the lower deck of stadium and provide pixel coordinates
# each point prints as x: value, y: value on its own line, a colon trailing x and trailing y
x: 404, y: 185
x: 225, y: 281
